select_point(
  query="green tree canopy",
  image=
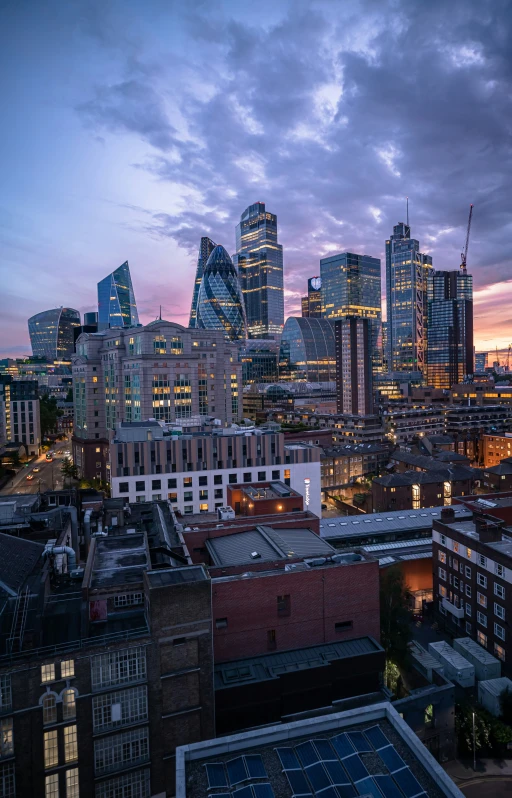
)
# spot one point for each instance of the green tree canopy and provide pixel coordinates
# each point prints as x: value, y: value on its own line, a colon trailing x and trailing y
x: 49, y: 413
x: 395, y: 615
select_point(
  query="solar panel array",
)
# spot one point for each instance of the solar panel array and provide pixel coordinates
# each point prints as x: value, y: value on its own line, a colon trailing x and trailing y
x: 242, y: 777
x: 333, y: 768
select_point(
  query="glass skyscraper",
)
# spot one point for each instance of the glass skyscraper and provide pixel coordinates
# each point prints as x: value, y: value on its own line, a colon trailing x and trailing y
x: 351, y: 287
x: 312, y: 303
x: 206, y: 248
x: 450, y: 329
x: 220, y: 304
x: 307, y: 350
x: 408, y: 273
x: 51, y: 333
x: 259, y: 260
x: 116, y: 300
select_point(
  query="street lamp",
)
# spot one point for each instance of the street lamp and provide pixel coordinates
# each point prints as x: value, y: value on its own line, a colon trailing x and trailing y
x: 474, y: 744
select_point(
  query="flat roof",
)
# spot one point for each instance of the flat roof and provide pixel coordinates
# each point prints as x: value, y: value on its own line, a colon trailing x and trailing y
x: 382, y: 523
x: 268, y: 666
x: 176, y: 576
x: 361, y: 748
x: 264, y: 543
x: 119, y: 559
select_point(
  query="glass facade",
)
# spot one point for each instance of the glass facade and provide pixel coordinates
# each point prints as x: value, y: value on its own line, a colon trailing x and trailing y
x: 450, y: 329
x: 351, y: 287
x: 51, y: 333
x: 259, y: 260
x: 116, y: 300
x: 206, y: 248
x: 312, y: 303
x: 220, y: 304
x: 308, y: 350
x: 408, y: 277
x: 260, y: 361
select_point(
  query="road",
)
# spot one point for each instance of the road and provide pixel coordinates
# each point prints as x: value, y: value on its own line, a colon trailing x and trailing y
x: 495, y: 787
x: 48, y: 477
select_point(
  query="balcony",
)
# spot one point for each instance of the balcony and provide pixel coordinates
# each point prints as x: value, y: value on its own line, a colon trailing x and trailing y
x: 458, y: 612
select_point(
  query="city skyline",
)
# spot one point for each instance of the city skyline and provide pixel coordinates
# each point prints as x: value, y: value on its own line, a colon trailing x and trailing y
x: 129, y: 162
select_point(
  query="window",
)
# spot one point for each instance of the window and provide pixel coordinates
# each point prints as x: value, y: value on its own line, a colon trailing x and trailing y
x: 67, y: 668
x: 203, y: 494
x: 499, y: 611
x: 127, y: 599
x: 70, y: 744
x: 343, y: 626
x: 218, y: 493
x: 271, y: 639
x: 72, y: 787
x: 442, y: 591
x: 124, y: 487
x: 187, y: 482
x: 47, y: 673
x: 203, y: 480
x: 428, y: 716
x: 6, y: 738
x: 188, y: 496
x: 456, y: 582
x: 217, y: 480
x: 173, y: 497
x: 121, y: 708
x: 455, y: 564
x: 141, y: 485
x: 499, y: 631
x: 232, y: 479
x: 49, y: 708
x: 284, y: 605
x: 5, y: 693
x: 51, y: 786
x: 69, y: 704
x: 203, y: 508
x: 261, y: 476
x: 469, y: 553
x: 468, y: 609
x: 499, y: 590
x: 499, y: 652
x: 481, y: 579
x: 156, y: 484
x: 442, y: 574
x: 481, y: 638
x: 276, y: 474
x: 51, y: 749
x: 442, y: 540
x: 442, y: 556
x: 247, y: 476
x: 172, y: 483
x: 120, y: 750
x: 482, y: 600
x: 468, y: 590
x: 132, y: 784
x: 468, y: 627
x: 188, y: 509
x: 221, y: 623
x: 499, y: 570
x: 455, y: 546
x: 482, y: 560
x: 118, y: 667
x: 468, y: 572
x: 481, y: 618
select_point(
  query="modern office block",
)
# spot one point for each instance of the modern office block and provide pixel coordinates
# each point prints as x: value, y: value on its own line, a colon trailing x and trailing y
x: 116, y: 300
x: 19, y: 413
x: 220, y: 304
x: 312, y: 303
x: 450, y: 357
x: 408, y: 273
x: 51, y: 333
x: 353, y: 366
x: 259, y: 260
x: 206, y: 248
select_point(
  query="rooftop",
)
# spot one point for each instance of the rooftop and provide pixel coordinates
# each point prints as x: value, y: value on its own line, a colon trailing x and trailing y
x: 18, y: 557
x: 118, y: 560
x: 385, y: 523
x: 365, y: 751
x: 265, y: 544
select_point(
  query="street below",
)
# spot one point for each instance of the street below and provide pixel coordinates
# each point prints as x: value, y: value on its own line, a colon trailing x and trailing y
x: 48, y: 477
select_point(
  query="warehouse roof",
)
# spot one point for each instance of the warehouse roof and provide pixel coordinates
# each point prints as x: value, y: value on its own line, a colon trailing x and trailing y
x: 385, y: 523
x: 263, y: 543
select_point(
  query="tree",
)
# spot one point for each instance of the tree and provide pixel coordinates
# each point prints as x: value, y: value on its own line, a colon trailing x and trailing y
x: 49, y: 413
x: 464, y: 728
x: 395, y: 615
x: 68, y: 469
x: 69, y: 395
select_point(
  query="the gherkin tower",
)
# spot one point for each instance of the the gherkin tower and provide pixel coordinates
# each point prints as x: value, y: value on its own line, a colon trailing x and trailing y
x: 220, y: 304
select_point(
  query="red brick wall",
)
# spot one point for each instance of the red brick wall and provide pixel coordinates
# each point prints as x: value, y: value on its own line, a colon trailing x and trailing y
x: 319, y: 598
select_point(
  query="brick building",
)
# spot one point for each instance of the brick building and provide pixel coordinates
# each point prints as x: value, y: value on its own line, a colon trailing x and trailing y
x: 472, y: 574
x: 412, y: 490
x: 496, y: 448
x: 343, y: 465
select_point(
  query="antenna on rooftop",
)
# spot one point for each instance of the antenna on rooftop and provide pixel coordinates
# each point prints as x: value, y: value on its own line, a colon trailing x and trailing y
x: 407, y: 211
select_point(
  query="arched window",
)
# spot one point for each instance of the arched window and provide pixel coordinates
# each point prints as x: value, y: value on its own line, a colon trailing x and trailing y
x: 68, y: 704
x: 49, y: 708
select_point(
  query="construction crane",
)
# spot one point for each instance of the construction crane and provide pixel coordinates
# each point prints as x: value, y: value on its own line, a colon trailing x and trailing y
x: 464, y: 254
x: 508, y: 357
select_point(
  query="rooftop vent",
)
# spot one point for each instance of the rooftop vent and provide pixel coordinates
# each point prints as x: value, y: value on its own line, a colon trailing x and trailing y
x: 255, y: 555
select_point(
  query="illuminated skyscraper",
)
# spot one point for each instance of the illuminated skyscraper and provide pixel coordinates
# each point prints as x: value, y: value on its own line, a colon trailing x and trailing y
x: 220, y: 304
x: 307, y: 350
x: 51, y: 333
x: 206, y: 248
x: 354, y: 393
x: 116, y: 300
x: 408, y: 273
x: 259, y: 260
x: 351, y: 287
x: 450, y: 329
x: 312, y: 303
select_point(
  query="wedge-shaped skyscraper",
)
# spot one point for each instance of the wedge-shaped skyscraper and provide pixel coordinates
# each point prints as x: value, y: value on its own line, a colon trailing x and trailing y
x: 116, y: 300
x: 220, y: 304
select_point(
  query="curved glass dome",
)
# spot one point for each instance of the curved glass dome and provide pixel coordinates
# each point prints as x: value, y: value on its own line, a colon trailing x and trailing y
x: 220, y: 304
x: 307, y: 350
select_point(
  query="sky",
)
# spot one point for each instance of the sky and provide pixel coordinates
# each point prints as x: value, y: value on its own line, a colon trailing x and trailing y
x: 131, y: 129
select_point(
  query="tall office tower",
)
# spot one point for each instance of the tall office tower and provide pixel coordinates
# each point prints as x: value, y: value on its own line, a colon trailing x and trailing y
x: 408, y: 273
x: 259, y: 260
x: 206, y: 248
x: 116, y: 300
x: 481, y: 363
x: 91, y: 318
x: 20, y: 413
x: 354, y: 392
x: 162, y: 371
x: 220, y: 304
x: 351, y: 287
x: 450, y: 329
x: 312, y: 303
x: 51, y: 333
